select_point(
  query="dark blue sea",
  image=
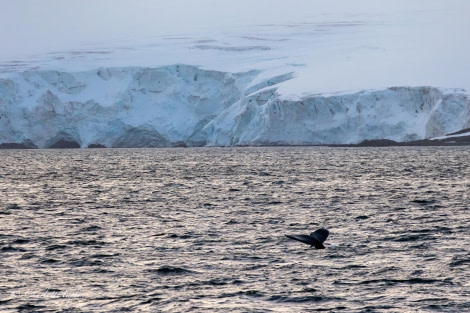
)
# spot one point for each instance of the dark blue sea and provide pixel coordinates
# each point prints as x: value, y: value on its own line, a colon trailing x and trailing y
x: 202, y: 230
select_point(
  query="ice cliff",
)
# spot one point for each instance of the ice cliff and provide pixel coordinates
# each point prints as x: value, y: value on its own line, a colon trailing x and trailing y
x: 182, y: 105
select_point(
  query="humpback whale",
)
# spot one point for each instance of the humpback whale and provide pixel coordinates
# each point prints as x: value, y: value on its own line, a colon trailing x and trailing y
x: 315, y: 239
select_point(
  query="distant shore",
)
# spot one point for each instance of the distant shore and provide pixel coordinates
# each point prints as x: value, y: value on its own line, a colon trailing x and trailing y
x: 447, y: 141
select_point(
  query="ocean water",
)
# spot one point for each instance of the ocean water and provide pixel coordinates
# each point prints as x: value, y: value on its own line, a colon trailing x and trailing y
x: 202, y: 230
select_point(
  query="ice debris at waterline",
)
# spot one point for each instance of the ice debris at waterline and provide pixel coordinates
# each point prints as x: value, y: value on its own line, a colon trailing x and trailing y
x: 182, y: 105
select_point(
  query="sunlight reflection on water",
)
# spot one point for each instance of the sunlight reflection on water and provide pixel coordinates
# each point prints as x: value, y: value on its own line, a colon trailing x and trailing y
x: 203, y: 229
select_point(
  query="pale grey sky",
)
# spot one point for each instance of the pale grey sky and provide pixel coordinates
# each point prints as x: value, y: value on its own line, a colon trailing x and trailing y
x: 36, y: 26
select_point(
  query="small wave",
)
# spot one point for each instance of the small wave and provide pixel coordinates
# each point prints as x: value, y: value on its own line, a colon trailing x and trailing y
x: 12, y: 249
x: 151, y: 300
x: 310, y: 298
x: 264, y: 174
x: 30, y: 308
x: 459, y: 262
x: 49, y: 261
x: 232, y: 221
x: 86, y: 262
x: 91, y: 228
x: 387, y: 269
x: 424, y: 201
x: 104, y: 256
x: 216, y: 282
x: 27, y: 256
x: 185, y: 236
x: 2, y: 302
x: 354, y: 266
x: 410, y: 281
x: 169, y: 270
x: 255, y: 267
x: 86, y: 242
x: 420, y: 246
x: 103, y: 271
x: 250, y: 293
x: 406, y: 238
x: 55, y: 247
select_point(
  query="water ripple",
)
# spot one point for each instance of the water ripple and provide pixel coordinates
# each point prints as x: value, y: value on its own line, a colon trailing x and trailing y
x: 203, y: 229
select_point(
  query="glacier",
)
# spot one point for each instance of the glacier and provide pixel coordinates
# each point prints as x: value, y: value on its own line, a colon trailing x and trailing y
x: 184, y: 105
x: 299, y: 73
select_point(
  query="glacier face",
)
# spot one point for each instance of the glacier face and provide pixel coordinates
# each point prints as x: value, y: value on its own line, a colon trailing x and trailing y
x: 183, y: 105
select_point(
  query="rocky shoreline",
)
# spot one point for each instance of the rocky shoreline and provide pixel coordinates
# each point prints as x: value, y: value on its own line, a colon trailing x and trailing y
x: 447, y: 141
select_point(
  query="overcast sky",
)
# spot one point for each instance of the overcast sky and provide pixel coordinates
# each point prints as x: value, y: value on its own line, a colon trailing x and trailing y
x: 34, y: 26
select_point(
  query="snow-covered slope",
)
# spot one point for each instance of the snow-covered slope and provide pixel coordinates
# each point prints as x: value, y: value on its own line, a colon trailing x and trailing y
x: 183, y: 105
